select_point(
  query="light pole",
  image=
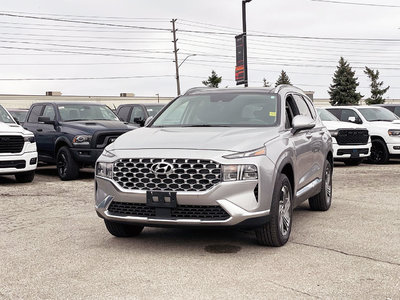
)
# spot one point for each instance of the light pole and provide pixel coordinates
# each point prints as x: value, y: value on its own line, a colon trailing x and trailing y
x: 158, y: 97
x: 245, y: 41
x: 178, y: 83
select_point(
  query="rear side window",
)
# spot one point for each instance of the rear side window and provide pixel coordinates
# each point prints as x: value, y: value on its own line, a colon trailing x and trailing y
x: 35, y: 114
x: 123, y: 113
x: 137, y: 112
x: 49, y: 112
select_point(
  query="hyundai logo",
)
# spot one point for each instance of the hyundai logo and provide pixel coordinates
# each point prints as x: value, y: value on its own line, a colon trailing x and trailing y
x: 162, y: 168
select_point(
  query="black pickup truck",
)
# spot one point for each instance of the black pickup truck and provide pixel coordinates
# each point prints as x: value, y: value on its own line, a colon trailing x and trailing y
x: 138, y: 113
x: 71, y: 134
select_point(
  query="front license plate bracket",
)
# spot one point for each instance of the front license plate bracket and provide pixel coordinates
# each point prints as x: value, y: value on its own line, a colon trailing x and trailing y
x: 161, y: 199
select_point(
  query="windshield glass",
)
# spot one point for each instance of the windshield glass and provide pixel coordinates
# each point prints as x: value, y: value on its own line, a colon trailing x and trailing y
x: 154, y: 109
x: 326, y: 115
x: 372, y: 114
x: 221, y: 109
x: 4, y: 116
x: 19, y: 114
x: 83, y: 112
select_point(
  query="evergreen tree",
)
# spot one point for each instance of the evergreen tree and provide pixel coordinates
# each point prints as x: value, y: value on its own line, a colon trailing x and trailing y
x: 343, y: 89
x: 376, y: 87
x: 213, y: 81
x: 266, y: 83
x: 283, y: 79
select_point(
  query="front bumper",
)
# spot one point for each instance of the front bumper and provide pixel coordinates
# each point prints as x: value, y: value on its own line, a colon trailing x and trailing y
x: 243, y: 201
x: 86, y: 155
x: 12, y: 164
x: 344, y: 152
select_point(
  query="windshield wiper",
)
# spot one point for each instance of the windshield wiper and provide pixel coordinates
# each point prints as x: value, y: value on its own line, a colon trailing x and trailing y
x: 205, y: 125
x: 381, y: 120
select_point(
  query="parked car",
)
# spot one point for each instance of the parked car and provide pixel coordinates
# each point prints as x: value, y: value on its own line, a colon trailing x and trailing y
x: 219, y: 157
x: 72, y: 134
x: 351, y: 142
x: 19, y: 114
x: 394, y: 108
x: 383, y: 127
x: 18, y: 154
x: 138, y: 113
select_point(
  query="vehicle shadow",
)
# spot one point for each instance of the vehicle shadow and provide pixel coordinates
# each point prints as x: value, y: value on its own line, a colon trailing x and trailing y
x: 51, y: 171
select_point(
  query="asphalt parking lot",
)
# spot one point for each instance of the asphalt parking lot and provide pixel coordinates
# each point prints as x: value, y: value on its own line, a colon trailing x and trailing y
x: 54, y: 246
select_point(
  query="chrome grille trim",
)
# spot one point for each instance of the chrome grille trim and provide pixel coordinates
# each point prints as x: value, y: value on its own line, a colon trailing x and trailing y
x: 187, y: 175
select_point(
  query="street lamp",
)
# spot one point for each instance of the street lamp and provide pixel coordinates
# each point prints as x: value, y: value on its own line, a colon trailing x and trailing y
x: 245, y: 41
x: 178, y: 83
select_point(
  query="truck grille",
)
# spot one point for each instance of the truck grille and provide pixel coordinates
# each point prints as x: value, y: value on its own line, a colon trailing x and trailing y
x: 18, y: 164
x: 352, y: 137
x: 206, y: 212
x: 11, y: 143
x: 103, y: 139
x: 160, y: 174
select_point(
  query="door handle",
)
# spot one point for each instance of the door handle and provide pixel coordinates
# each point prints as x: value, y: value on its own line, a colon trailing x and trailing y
x: 39, y: 130
x: 308, y: 135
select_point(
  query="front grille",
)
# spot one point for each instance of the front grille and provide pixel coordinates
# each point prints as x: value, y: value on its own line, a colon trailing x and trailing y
x: 206, y: 212
x: 102, y: 139
x: 11, y: 143
x: 183, y: 175
x: 18, y: 164
x: 352, y: 137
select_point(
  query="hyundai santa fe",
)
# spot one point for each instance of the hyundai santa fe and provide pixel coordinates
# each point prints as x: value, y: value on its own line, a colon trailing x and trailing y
x: 241, y: 157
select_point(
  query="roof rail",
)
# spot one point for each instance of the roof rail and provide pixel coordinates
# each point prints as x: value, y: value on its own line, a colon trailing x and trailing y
x: 196, y: 89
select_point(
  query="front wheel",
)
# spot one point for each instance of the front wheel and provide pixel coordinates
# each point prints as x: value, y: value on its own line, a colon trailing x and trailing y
x: 67, y: 168
x: 123, y: 230
x: 322, y: 201
x: 379, y: 152
x: 25, y: 177
x: 277, y: 231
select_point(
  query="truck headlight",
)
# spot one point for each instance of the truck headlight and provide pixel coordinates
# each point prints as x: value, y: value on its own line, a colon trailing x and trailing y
x: 239, y: 172
x: 81, y: 139
x: 30, y: 139
x: 394, y: 132
x: 104, y: 169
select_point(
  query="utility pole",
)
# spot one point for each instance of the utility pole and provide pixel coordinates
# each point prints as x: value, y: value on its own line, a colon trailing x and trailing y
x: 178, y: 85
x: 246, y: 78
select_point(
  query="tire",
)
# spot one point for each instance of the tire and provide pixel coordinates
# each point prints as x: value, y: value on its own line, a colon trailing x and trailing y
x: 67, y: 168
x: 123, y: 230
x: 379, y: 152
x: 25, y: 177
x: 322, y: 201
x: 353, y: 161
x: 276, y: 232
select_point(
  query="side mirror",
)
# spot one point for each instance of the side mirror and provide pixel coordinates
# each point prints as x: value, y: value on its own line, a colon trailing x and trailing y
x: 302, y: 123
x: 139, y: 121
x: 46, y: 120
x: 148, y: 120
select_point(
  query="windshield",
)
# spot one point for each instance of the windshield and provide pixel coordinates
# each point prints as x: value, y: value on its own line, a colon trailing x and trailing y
x: 221, y: 109
x: 4, y: 116
x: 19, y: 114
x: 326, y: 115
x: 154, y: 109
x: 83, y: 112
x: 373, y: 114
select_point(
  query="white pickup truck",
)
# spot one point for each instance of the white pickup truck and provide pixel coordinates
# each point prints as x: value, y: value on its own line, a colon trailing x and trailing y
x: 18, y: 155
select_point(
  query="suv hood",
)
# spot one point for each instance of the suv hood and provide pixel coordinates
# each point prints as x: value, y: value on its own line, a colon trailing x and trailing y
x: 96, y: 125
x: 210, y: 138
x: 6, y: 128
x: 333, y: 125
x: 386, y: 125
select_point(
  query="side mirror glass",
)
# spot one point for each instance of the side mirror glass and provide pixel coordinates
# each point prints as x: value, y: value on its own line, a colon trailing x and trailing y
x: 302, y: 123
x: 148, y: 120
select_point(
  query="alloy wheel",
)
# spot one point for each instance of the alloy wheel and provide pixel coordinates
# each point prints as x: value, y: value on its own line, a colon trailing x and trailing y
x: 284, y: 211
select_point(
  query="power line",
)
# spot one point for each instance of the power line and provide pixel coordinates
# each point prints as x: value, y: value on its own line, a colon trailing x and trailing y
x: 356, y: 3
x: 85, y: 78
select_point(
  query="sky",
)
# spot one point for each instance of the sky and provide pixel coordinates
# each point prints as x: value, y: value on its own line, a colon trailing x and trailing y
x: 104, y: 48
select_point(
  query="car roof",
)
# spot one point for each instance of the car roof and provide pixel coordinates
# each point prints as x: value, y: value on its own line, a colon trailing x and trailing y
x: 388, y: 104
x: 206, y: 90
x: 70, y: 103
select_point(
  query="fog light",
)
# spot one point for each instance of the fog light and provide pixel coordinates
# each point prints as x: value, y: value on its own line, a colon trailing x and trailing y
x: 33, y: 161
x: 396, y: 147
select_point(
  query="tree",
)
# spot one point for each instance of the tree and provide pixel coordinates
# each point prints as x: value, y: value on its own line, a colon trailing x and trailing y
x: 283, y: 79
x: 266, y: 83
x: 376, y: 87
x: 213, y: 81
x: 343, y: 89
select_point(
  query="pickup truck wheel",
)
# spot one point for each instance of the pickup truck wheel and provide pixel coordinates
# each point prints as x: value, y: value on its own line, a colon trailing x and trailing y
x: 67, y: 168
x: 323, y: 200
x: 379, y: 152
x: 123, y: 230
x: 25, y: 177
x: 277, y: 231
x: 353, y: 161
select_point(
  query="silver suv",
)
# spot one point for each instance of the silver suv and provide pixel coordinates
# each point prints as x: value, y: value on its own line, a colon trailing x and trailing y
x: 219, y: 157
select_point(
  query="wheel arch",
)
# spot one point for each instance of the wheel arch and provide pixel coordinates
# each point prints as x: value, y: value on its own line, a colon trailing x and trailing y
x: 60, y: 142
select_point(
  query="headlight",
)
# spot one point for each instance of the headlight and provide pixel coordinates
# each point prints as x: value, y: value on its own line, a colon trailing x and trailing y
x: 107, y: 153
x: 334, y: 133
x: 251, y: 153
x: 30, y: 139
x: 239, y: 172
x: 81, y: 139
x: 104, y: 169
x: 394, y: 132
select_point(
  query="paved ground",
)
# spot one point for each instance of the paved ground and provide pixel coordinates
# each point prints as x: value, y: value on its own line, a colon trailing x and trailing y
x: 53, y: 246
